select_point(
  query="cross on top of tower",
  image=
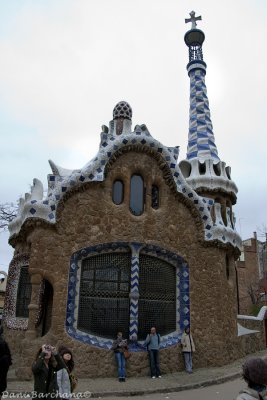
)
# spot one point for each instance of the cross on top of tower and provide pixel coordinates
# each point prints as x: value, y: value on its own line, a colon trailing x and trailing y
x: 193, y: 19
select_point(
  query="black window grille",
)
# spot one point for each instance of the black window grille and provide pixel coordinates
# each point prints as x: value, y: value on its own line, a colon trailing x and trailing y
x: 118, y: 192
x: 155, y: 197
x: 104, y: 294
x: 137, y: 195
x: 24, y: 293
x: 157, y: 301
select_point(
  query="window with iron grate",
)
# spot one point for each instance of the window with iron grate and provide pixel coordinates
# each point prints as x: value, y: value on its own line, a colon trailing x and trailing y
x: 24, y: 293
x: 104, y: 294
x: 157, y: 301
x: 104, y: 305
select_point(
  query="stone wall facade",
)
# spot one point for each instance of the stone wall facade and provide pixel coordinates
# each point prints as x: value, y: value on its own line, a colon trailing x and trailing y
x: 86, y: 217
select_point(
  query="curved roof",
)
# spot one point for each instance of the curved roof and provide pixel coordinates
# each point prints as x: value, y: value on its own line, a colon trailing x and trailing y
x: 62, y: 181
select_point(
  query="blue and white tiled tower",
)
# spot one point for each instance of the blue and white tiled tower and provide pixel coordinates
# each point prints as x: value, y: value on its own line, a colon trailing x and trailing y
x: 203, y: 169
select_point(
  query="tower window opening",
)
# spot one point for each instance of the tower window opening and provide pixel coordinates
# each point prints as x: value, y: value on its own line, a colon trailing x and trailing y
x: 228, y: 172
x: 202, y: 168
x: 223, y: 211
x: 217, y: 169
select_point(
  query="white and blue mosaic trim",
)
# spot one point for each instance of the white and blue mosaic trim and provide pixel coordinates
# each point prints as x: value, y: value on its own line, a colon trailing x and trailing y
x: 182, y: 290
x: 201, y: 142
x: 95, y: 171
x: 9, y: 315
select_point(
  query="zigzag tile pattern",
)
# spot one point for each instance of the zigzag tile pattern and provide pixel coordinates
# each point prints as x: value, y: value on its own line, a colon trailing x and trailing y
x: 201, y: 142
x: 134, y: 294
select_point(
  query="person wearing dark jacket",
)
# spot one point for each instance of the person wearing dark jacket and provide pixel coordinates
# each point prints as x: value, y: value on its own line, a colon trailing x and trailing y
x: 255, y: 374
x: 5, y: 362
x: 44, y: 369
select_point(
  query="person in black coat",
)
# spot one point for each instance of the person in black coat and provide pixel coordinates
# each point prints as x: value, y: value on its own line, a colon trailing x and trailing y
x: 45, y: 368
x: 5, y: 362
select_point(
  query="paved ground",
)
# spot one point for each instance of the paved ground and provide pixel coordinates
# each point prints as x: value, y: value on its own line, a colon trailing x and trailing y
x: 103, y: 387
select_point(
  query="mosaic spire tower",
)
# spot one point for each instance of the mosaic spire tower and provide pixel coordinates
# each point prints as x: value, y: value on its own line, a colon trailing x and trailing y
x: 201, y: 142
x: 203, y: 169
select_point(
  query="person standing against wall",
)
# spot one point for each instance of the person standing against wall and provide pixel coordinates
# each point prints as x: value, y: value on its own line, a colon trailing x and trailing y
x: 119, y: 346
x: 153, y: 342
x: 188, y: 348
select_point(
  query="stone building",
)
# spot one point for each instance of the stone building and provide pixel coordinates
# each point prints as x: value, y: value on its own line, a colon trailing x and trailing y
x: 131, y: 240
x: 248, y: 275
x: 251, y: 269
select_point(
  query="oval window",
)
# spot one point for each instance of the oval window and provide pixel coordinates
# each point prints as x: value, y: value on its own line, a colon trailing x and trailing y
x: 137, y: 195
x: 118, y: 192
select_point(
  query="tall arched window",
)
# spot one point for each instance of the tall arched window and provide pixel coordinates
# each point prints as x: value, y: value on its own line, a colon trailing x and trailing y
x: 47, y: 307
x: 117, y: 192
x: 137, y: 195
x: 24, y: 293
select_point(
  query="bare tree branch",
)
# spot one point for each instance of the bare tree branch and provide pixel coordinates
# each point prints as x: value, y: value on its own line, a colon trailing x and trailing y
x: 8, y: 212
x: 262, y: 231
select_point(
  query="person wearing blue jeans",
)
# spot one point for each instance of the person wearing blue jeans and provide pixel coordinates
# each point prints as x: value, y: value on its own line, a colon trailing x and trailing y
x: 153, y: 342
x: 188, y: 347
x: 120, y: 359
x: 119, y: 346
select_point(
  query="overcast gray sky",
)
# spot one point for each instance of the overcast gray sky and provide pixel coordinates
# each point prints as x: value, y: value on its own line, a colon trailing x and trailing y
x: 64, y: 64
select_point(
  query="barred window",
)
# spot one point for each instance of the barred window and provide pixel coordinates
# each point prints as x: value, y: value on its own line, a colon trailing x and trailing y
x: 24, y: 293
x: 157, y: 301
x: 104, y: 294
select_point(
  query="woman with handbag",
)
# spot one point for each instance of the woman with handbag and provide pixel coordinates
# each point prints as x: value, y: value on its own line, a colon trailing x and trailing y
x: 65, y: 378
x: 120, y: 346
